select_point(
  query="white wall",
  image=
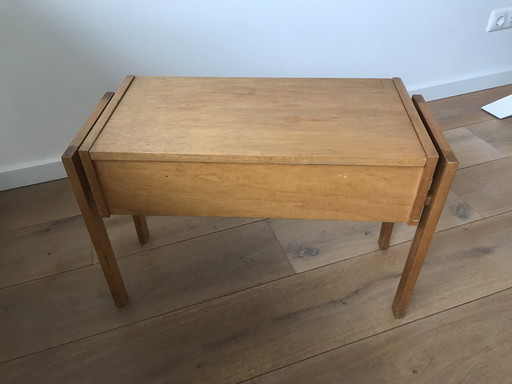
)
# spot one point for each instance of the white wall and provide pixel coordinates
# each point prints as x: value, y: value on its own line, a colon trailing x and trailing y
x: 59, y: 56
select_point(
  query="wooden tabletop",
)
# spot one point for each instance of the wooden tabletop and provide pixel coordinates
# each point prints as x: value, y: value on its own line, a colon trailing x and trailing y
x: 261, y: 120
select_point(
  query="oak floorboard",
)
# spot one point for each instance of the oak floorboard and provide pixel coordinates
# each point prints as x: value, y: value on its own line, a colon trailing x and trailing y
x: 496, y: 132
x: 456, y: 212
x: 313, y: 243
x: 463, y: 110
x: 42, y: 250
x: 249, y: 333
x: 36, y: 204
x: 471, y: 149
x: 163, y: 230
x: 467, y: 344
x: 487, y: 187
x: 59, y: 309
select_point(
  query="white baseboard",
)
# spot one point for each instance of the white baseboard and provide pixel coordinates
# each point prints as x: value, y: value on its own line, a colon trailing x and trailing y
x: 454, y: 87
x: 53, y: 170
x: 33, y: 174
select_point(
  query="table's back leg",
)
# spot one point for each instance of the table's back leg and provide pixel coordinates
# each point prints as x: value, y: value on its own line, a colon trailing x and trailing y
x: 141, y: 226
x: 385, y: 235
x: 442, y: 181
x: 90, y: 211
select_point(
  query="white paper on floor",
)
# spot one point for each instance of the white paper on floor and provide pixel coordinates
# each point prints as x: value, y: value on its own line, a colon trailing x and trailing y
x: 500, y: 108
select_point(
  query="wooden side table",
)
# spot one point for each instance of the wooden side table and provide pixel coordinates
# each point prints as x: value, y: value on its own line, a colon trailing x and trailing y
x: 337, y: 149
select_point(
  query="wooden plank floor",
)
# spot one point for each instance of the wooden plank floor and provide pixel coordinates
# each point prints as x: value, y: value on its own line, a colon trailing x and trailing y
x: 267, y: 301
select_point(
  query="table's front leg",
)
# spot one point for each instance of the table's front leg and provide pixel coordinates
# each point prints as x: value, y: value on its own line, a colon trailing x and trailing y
x: 90, y: 211
x: 97, y: 232
x: 441, y: 183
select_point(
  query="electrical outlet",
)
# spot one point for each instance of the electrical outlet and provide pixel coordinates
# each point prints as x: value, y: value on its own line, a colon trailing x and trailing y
x: 500, y: 19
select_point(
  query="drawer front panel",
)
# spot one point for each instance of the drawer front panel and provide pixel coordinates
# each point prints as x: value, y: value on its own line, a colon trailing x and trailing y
x: 331, y: 192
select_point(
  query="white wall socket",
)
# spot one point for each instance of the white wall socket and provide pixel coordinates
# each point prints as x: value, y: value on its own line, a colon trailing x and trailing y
x: 500, y: 19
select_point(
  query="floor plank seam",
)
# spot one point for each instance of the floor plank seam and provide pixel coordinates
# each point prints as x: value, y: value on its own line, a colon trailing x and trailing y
x: 281, y: 246
x: 485, y: 162
x: 473, y: 208
x: 94, y: 261
x: 42, y: 223
x: 385, y: 331
x: 147, y: 318
x: 471, y: 124
x: 401, y: 243
x: 252, y: 222
x: 249, y: 288
x: 450, y: 228
x: 182, y: 240
x: 46, y: 277
x: 464, y: 125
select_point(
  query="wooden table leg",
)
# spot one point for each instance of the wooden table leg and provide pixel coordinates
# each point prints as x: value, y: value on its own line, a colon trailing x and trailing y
x: 141, y: 226
x: 442, y: 181
x: 89, y: 209
x: 385, y: 235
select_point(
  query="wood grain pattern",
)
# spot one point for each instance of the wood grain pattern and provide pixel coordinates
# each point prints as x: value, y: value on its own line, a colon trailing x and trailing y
x: 314, y: 243
x: 442, y: 181
x: 141, y: 227
x: 464, y: 110
x: 62, y: 308
x: 462, y: 345
x: 386, y: 231
x: 37, y: 204
x: 259, y: 190
x: 42, y: 250
x: 497, y: 133
x: 467, y: 263
x: 94, y: 128
x: 430, y: 152
x: 254, y: 331
x: 456, y: 212
x: 89, y: 208
x: 261, y: 120
x: 96, y: 122
x: 165, y: 230
x: 84, y: 131
x: 470, y: 149
x: 486, y: 187
x: 310, y: 244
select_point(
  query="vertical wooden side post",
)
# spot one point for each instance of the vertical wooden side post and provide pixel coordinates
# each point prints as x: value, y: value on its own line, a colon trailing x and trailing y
x: 442, y: 181
x: 386, y: 230
x: 89, y: 209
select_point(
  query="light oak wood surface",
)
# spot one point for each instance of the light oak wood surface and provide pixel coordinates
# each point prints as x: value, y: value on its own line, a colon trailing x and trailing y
x: 441, y: 184
x: 335, y: 171
x: 258, y: 120
x: 260, y: 190
x: 90, y: 207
